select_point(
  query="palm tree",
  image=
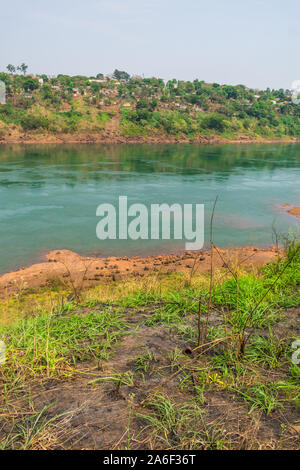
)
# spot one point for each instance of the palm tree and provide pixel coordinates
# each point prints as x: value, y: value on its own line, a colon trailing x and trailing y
x: 23, y: 68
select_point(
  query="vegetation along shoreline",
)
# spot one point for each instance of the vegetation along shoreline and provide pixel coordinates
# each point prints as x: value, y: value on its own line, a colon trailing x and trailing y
x: 120, y: 108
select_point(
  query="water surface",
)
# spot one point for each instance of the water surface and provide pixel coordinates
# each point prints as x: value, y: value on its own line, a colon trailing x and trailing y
x: 49, y: 194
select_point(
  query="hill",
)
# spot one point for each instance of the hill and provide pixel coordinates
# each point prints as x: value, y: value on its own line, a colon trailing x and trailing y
x: 120, y: 108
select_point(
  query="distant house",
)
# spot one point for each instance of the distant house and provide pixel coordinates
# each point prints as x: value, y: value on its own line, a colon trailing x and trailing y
x: 97, y: 80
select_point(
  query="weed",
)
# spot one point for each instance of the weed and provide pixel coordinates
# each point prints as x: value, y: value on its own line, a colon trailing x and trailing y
x: 178, y: 426
x: 262, y: 397
x: 143, y: 362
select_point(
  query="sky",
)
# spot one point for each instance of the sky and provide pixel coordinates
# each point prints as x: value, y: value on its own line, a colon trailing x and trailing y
x: 250, y: 42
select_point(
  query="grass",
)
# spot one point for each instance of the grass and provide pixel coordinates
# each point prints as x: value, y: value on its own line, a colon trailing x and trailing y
x: 54, y: 343
x: 143, y: 362
x: 175, y: 394
x: 178, y: 426
x: 37, y: 432
x: 262, y: 397
x: 116, y: 378
x: 266, y: 351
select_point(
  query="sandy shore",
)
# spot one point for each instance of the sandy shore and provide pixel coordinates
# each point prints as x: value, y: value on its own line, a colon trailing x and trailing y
x: 295, y: 211
x: 116, y: 138
x: 69, y: 266
x: 291, y: 209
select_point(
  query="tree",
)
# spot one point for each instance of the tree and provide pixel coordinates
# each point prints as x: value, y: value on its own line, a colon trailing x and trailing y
x: 121, y: 75
x: 230, y: 91
x: 11, y: 68
x: 23, y: 68
x: 30, y: 84
x: 95, y: 87
x: 46, y: 92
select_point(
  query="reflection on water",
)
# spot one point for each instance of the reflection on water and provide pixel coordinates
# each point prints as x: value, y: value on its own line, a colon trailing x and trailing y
x: 49, y: 194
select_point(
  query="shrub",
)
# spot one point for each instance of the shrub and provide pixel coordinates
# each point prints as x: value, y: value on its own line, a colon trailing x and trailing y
x: 34, y: 121
x: 214, y: 122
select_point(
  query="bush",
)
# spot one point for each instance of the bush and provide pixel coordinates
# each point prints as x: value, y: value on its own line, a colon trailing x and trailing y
x: 29, y: 84
x: 130, y: 128
x: 34, y: 121
x: 214, y: 122
x: 6, y: 110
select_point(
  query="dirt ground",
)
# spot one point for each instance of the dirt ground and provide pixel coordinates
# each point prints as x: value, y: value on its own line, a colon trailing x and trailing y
x: 95, y: 415
x: 65, y: 264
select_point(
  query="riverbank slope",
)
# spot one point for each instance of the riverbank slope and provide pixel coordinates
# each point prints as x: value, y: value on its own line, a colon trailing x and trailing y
x: 172, y: 360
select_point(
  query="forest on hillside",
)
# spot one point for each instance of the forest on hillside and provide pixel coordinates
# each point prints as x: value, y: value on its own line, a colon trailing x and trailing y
x: 135, y: 106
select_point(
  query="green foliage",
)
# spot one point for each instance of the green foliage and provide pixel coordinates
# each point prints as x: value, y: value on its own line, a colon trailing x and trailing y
x: 174, y: 385
x: 103, y: 117
x: 230, y: 91
x: 262, y: 397
x: 29, y: 84
x: 50, y: 340
x: 181, y: 427
x: 177, y: 108
x: 121, y: 75
x: 214, y: 121
x: 32, y: 121
x: 266, y: 351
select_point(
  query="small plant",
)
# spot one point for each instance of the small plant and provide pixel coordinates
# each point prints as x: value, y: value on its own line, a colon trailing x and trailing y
x: 179, y: 427
x: 262, y: 397
x: 143, y: 362
x: 52, y: 343
x: 117, y: 378
x: 266, y: 351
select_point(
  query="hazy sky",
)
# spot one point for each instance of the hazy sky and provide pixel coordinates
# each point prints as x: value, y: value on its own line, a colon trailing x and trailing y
x: 254, y: 42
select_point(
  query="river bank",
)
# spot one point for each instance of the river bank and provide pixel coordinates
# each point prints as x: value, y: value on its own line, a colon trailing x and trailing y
x: 117, y: 138
x: 160, y: 362
x: 295, y: 211
x: 70, y: 268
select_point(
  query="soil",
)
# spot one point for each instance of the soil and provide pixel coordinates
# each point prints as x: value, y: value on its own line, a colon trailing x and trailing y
x: 112, y: 135
x: 88, y: 271
x: 98, y: 414
x: 91, y: 413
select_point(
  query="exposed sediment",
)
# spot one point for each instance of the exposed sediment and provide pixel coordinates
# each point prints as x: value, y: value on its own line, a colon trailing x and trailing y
x: 67, y: 265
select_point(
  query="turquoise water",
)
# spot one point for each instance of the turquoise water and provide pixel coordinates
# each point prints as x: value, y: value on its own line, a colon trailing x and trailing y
x: 49, y: 194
